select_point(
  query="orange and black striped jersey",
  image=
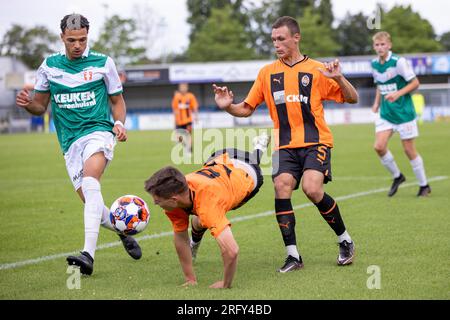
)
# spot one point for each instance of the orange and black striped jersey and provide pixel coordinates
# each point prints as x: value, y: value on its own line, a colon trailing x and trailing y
x: 182, y: 106
x: 215, y: 189
x: 294, y: 96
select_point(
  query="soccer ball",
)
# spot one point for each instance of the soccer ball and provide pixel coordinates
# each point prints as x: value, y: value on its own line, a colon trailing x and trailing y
x: 129, y: 214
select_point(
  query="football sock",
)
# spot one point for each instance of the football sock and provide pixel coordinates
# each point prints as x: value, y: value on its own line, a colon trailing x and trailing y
x: 106, y: 222
x: 389, y: 163
x: 257, y: 155
x: 286, y: 222
x: 419, y: 170
x: 292, y: 251
x: 345, y: 237
x: 329, y: 210
x: 93, y: 210
x: 197, y: 235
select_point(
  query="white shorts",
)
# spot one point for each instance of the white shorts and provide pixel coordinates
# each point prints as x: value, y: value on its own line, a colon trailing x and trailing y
x: 407, y: 130
x: 248, y: 169
x: 83, y: 148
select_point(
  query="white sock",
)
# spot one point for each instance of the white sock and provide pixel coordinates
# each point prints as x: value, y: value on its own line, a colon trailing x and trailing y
x: 419, y: 170
x: 345, y: 236
x: 389, y: 163
x: 106, y: 223
x: 193, y: 243
x: 93, y: 211
x: 292, y: 251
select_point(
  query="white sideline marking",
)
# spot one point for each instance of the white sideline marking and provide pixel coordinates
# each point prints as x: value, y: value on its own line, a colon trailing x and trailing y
x: 18, y: 264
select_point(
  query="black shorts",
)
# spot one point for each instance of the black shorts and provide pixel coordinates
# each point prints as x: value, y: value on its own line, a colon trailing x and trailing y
x: 248, y: 158
x: 295, y: 161
x: 187, y: 126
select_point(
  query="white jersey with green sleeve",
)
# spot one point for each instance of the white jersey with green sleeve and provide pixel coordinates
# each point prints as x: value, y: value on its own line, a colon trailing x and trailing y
x: 79, y: 91
x: 391, y: 76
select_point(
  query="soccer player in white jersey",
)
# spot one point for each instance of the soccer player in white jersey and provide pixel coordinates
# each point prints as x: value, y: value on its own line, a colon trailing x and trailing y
x: 395, y: 80
x: 79, y: 82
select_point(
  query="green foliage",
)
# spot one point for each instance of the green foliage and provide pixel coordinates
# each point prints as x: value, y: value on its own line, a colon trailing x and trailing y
x: 116, y: 40
x: 445, y: 41
x: 293, y: 8
x: 261, y: 18
x: 325, y: 10
x: 354, y: 36
x: 409, y: 31
x: 221, y: 38
x: 201, y: 10
x: 317, y: 38
x: 30, y: 46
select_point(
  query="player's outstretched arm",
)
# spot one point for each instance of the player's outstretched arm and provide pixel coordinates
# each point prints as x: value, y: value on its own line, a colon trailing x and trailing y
x: 224, y: 100
x: 37, y: 106
x: 181, y: 240
x: 230, y: 250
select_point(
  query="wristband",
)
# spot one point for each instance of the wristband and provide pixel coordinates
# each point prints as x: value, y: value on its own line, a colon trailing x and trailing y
x: 119, y: 122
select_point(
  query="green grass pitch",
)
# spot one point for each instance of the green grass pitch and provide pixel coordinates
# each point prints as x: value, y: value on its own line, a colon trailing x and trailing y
x: 406, y: 238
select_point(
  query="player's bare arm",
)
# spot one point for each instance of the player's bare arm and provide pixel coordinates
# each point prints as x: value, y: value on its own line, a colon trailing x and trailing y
x: 224, y: 100
x: 376, y: 103
x: 119, y: 112
x: 333, y: 70
x: 181, y: 240
x: 229, y: 249
x: 37, y: 106
x: 411, y: 86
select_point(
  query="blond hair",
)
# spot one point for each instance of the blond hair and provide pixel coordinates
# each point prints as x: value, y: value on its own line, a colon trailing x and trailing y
x: 381, y: 35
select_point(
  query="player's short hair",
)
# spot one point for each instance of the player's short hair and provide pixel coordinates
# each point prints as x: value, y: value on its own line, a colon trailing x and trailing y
x: 289, y: 22
x: 166, y: 182
x: 381, y: 35
x: 74, y: 21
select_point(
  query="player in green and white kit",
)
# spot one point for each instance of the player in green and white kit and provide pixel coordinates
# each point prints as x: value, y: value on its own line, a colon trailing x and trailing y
x: 395, y: 80
x: 79, y: 82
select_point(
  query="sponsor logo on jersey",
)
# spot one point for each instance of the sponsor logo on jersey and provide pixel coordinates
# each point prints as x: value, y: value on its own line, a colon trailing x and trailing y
x: 387, y: 88
x: 297, y: 98
x: 75, y: 99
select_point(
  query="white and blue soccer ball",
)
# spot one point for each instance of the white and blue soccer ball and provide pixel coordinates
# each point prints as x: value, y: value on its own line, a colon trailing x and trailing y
x: 129, y: 214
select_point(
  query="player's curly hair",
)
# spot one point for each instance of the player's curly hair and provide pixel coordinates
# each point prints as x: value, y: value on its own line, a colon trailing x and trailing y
x: 74, y: 21
x: 166, y: 182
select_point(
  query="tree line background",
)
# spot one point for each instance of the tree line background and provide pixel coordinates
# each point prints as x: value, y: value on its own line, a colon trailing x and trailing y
x: 224, y: 30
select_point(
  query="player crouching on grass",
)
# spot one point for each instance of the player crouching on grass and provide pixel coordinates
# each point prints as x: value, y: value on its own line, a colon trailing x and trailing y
x: 227, y: 180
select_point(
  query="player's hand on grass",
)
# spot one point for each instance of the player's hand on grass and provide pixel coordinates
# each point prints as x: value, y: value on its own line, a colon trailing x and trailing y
x: 23, y: 98
x: 120, y: 131
x: 331, y: 69
x: 223, y: 97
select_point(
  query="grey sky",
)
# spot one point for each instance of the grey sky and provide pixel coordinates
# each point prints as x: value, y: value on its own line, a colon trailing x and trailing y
x: 174, y: 35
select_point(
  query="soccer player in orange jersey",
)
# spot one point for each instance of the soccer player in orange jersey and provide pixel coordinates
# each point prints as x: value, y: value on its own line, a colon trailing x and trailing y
x: 185, y: 111
x: 227, y: 180
x: 293, y: 87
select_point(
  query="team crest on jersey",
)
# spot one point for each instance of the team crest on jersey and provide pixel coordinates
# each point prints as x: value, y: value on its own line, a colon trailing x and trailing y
x: 305, y: 80
x: 87, y: 75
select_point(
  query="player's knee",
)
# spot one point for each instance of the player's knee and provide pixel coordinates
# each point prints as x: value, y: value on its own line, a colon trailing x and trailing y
x: 282, y: 187
x: 378, y: 148
x: 314, y: 193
